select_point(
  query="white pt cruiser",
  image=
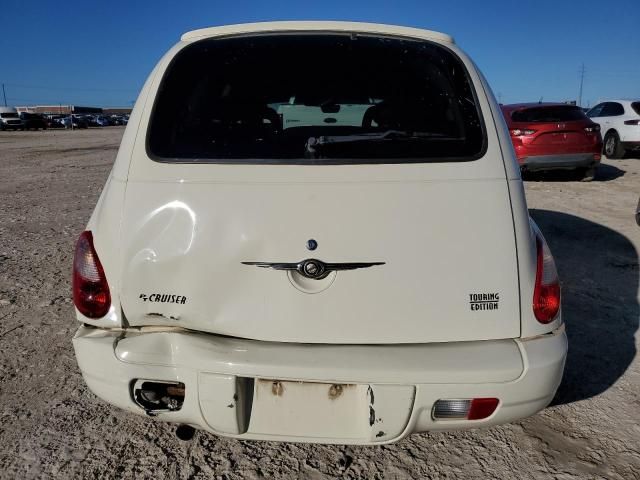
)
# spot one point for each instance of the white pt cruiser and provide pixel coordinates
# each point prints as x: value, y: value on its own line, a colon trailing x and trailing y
x: 317, y: 232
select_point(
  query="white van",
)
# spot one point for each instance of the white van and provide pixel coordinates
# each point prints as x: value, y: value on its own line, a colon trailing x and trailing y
x: 336, y: 282
x: 10, y: 119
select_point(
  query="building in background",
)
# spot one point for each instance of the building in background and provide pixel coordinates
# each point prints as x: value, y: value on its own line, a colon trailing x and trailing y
x: 58, y: 109
x: 117, y: 111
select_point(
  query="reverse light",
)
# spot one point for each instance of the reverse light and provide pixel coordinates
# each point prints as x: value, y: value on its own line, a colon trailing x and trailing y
x: 519, y: 132
x: 592, y: 129
x: 464, y: 409
x: 632, y: 122
x: 90, y: 289
x: 546, y: 294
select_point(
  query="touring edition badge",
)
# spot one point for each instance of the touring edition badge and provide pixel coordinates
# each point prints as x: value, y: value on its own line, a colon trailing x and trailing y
x: 484, y: 301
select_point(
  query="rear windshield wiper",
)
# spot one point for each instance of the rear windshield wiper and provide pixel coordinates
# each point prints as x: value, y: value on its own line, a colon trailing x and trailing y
x: 317, y: 143
x: 359, y: 137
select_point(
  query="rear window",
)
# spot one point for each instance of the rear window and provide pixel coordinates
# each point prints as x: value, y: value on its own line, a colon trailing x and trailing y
x: 636, y: 107
x: 549, y: 114
x: 315, y: 98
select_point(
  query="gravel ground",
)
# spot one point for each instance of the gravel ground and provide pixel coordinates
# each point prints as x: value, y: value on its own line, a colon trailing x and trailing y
x: 51, y: 426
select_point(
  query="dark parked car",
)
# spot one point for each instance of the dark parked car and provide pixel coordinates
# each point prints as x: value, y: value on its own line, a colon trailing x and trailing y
x: 78, y: 122
x: 116, y: 120
x: 54, y: 121
x: 91, y: 120
x: 554, y: 136
x: 102, y: 121
x: 33, y: 121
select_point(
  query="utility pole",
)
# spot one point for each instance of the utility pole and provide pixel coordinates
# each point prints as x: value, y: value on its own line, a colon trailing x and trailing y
x: 4, y: 94
x: 581, y: 82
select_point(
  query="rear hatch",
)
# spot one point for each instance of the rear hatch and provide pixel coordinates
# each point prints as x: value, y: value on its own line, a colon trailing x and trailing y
x: 423, y: 211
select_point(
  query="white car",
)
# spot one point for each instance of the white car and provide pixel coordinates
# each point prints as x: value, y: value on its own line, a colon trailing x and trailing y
x: 10, y: 119
x: 335, y: 282
x: 619, y: 124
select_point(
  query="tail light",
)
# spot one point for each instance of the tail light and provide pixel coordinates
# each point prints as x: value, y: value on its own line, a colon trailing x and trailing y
x: 592, y: 128
x: 90, y: 289
x: 464, y: 409
x: 482, y: 408
x: 632, y: 122
x: 519, y: 132
x: 546, y: 294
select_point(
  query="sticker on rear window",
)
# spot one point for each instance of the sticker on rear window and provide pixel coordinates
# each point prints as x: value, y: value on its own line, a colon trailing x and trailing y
x: 484, y: 301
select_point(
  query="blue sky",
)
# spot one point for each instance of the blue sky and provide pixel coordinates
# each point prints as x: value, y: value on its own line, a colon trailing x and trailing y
x: 99, y: 53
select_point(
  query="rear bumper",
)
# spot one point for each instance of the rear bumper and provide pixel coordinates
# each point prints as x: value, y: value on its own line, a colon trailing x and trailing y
x: 406, y: 381
x: 558, y: 162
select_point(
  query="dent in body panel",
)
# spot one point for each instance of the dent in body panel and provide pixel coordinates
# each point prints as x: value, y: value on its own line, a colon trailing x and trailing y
x: 159, y: 245
x: 162, y: 315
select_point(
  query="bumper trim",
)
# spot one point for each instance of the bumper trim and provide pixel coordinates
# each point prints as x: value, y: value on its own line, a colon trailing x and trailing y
x: 458, y: 362
x: 558, y: 162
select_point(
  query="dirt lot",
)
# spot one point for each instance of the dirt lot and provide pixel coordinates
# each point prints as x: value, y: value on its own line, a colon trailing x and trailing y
x: 51, y: 426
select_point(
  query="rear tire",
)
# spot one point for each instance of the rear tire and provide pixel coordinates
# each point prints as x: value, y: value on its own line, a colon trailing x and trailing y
x: 612, y: 146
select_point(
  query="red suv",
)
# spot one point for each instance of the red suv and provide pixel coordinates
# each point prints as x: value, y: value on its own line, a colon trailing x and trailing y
x: 554, y: 136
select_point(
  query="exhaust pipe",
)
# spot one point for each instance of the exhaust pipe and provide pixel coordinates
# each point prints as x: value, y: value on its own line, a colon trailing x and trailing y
x: 185, y: 432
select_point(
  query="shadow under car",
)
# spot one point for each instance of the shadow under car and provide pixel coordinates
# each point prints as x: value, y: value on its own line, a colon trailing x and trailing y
x: 598, y: 268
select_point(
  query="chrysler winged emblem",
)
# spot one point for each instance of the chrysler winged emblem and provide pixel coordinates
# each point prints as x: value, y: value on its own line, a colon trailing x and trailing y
x: 313, y: 268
